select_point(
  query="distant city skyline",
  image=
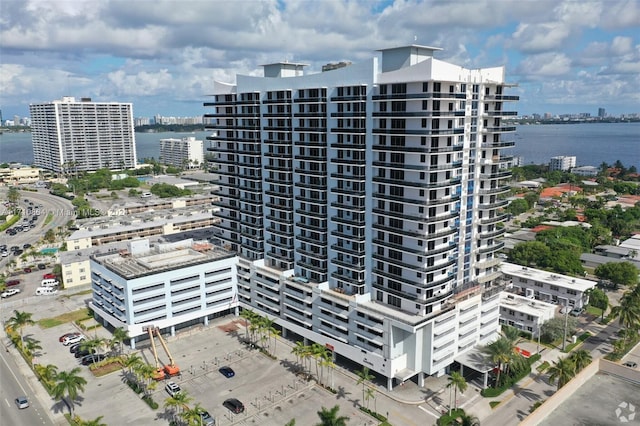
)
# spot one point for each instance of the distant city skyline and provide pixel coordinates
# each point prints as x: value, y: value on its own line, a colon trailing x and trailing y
x: 564, y: 56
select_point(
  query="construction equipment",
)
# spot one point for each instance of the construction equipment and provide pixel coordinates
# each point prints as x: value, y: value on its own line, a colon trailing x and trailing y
x: 168, y: 370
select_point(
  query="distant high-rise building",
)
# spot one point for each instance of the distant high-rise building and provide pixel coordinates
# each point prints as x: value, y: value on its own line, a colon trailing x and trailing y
x: 562, y: 163
x: 186, y: 153
x: 82, y: 135
x: 601, y: 113
x: 365, y: 203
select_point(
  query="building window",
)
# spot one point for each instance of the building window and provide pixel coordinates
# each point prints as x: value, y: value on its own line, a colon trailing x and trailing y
x: 394, y: 301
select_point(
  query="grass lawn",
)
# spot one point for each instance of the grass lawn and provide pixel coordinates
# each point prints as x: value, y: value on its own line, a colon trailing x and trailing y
x: 542, y: 367
x: 594, y: 311
x: 80, y: 314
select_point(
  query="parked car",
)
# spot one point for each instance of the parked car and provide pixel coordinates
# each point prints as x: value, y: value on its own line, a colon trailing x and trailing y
x: 22, y: 402
x: 73, y: 339
x: 82, y: 353
x: 46, y: 291
x: 27, y: 270
x: 631, y: 364
x: 64, y: 336
x: 234, y: 405
x: 10, y: 292
x: 172, y: 388
x: 49, y: 276
x: 4, y: 253
x: 11, y: 283
x: 42, y: 266
x: 75, y: 348
x: 90, y: 359
x: 227, y: 372
x: 26, y: 246
x: 575, y: 312
x: 206, y: 419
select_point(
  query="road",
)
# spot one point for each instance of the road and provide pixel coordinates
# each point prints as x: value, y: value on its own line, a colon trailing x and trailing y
x: 14, y: 385
x: 536, y: 387
x: 61, y: 212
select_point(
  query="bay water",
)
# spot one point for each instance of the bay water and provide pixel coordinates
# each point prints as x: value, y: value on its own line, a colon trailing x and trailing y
x: 591, y: 143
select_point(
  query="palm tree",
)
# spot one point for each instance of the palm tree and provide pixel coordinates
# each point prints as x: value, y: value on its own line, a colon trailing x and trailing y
x: 178, y: 402
x: 499, y: 353
x: 68, y: 383
x: 119, y: 336
x: 249, y: 316
x: 628, y: 311
x: 368, y: 394
x: 18, y: 321
x: 457, y: 383
x: 331, y: 418
x: 562, y: 370
x: 192, y: 415
x: 512, y: 334
x: 299, y: 350
x: 94, y: 422
x: 363, y: 377
x: 32, y: 345
x: 581, y: 359
x: 131, y: 362
x: 468, y: 420
x: 91, y: 345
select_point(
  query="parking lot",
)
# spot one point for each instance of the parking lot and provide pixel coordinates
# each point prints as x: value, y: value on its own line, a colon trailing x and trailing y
x: 270, y: 391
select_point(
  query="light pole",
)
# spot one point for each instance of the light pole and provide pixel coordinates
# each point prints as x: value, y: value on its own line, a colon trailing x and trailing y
x: 566, y: 319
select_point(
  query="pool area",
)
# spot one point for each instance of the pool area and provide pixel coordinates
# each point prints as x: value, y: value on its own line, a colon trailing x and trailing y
x: 49, y: 250
x: 143, y: 179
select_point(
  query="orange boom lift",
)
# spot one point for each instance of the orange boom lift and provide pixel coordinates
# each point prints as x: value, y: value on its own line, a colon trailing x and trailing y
x: 168, y: 370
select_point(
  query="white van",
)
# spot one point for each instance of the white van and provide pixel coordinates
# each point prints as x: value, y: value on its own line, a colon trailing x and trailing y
x: 49, y: 282
x: 45, y: 291
x: 146, y: 195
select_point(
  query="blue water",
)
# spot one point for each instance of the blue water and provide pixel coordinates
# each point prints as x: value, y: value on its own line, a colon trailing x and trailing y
x: 590, y: 143
x: 49, y: 250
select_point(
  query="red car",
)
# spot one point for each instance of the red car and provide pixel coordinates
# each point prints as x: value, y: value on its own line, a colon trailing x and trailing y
x: 27, y: 270
x: 12, y: 283
x: 49, y: 276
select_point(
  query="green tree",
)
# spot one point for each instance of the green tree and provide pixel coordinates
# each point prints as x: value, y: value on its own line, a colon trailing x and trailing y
x: 562, y: 371
x: 468, y: 420
x: 599, y: 299
x: 119, y: 336
x: 628, y: 311
x: 20, y: 320
x: 499, y: 353
x: 457, y: 383
x: 624, y: 273
x: 517, y: 206
x: 364, y: 376
x: 178, y: 402
x: 330, y: 417
x: 530, y: 253
x: 580, y: 358
x: 13, y: 195
x: 32, y: 345
x: 553, y: 329
x: 68, y: 385
x: 95, y: 422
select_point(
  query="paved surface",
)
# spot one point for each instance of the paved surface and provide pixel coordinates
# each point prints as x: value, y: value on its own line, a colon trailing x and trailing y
x: 271, y: 391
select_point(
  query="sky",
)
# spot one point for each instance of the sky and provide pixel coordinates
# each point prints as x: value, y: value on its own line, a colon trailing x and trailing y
x: 164, y: 55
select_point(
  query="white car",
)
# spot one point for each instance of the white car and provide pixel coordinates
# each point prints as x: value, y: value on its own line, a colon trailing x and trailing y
x: 10, y: 292
x: 5, y: 253
x: 72, y: 340
x: 172, y: 388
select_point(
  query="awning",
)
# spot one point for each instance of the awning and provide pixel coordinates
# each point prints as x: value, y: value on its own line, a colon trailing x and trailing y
x: 475, y: 360
x: 404, y: 374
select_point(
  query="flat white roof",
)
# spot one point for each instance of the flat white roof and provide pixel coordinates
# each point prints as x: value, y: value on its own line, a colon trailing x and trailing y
x: 550, y: 278
x: 525, y: 305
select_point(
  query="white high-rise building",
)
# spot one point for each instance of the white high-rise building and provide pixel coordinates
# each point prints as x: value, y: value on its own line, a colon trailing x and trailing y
x: 364, y: 203
x: 562, y: 163
x: 186, y: 153
x: 70, y: 135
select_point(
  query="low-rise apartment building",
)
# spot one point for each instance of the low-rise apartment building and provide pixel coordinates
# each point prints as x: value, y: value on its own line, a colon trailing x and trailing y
x: 164, y: 285
x: 547, y: 286
x: 524, y: 313
x: 108, y: 229
x: 19, y: 175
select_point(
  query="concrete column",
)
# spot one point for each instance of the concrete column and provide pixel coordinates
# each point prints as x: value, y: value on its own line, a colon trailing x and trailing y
x: 305, y: 341
x: 284, y: 333
x: 389, y: 384
x: 421, y: 379
x: 236, y: 311
x: 206, y: 320
x: 173, y: 330
x: 132, y: 342
x: 461, y: 370
x: 485, y: 379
